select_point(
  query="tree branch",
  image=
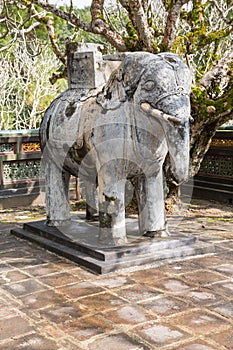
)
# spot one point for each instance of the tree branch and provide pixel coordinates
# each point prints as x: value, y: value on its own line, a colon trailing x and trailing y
x: 218, y: 74
x: 99, y: 26
x: 145, y: 33
x: 221, y: 11
x: 30, y: 29
x: 49, y: 22
x: 69, y: 17
x: 172, y: 24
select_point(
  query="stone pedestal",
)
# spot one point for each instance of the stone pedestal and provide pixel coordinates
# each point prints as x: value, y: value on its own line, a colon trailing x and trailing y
x: 79, y: 242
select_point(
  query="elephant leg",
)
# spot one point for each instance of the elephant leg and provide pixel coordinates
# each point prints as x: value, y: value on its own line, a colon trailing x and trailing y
x: 91, y: 200
x: 150, y: 196
x: 57, y: 188
x: 112, y: 214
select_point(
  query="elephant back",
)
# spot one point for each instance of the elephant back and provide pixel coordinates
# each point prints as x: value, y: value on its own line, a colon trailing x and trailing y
x: 61, y: 119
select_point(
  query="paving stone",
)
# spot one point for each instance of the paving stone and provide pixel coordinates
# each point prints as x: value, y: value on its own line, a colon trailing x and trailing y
x: 85, y: 328
x: 202, y: 297
x: 26, y: 261
x: 228, y: 244
x: 42, y: 299
x: 51, y: 330
x: 196, y: 345
x: 12, y: 276
x: 224, y: 338
x: 172, y: 285
x: 11, y: 256
x: 180, y: 267
x: 63, y: 312
x: 8, y: 245
x: 4, y: 268
x: 113, y: 282
x: 200, y: 322
x: 225, y: 310
x: 31, y: 342
x: 65, y: 265
x: 156, y: 305
x: 6, y: 310
x: 81, y: 273
x: 225, y: 269
x: 8, y: 299
x: 161, y: 334
x: 203, y: 277
x: 137, y: 292
x: 129, y: 314
x: 165, y: 305
x: 101, y: 302
x: 67, y: 344
x: 148, y: 275
x: 14, y: 326
x: 224, y: 288
x: 23, y: 288
x: 60, y: 279
x: 42, y: 270
x: 116, y: 342
x: 213, y: 261
x: 78, y: 290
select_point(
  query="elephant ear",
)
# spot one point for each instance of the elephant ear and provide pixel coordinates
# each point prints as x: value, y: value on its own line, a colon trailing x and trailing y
x: 133, y: 66
x: 124, y: 81
x: 113, y: 93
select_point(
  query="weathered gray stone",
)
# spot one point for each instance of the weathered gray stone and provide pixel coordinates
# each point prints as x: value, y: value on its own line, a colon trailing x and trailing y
x: 122, y: 132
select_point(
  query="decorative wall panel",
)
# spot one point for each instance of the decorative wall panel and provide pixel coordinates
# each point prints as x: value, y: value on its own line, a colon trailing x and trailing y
x: 31, y: 147
x: 7, y: 148
x: 21, y: 170
x: 217, y: 165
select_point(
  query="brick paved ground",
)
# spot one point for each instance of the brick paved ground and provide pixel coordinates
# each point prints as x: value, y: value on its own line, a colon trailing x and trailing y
x: 49, y: 303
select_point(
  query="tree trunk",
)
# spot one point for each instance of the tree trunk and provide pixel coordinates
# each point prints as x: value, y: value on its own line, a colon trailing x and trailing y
x: 173, y: 197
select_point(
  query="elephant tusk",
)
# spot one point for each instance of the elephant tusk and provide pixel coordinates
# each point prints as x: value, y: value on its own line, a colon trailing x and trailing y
x: 191, y: 119
x: 146, y: 107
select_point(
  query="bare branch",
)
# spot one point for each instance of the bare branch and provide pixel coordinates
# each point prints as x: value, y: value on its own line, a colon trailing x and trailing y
x: 49, y: 22
x: 31, y: 28
x: 218, y: 75
x: 99, y: 26
x: 221, y: 10
x: 172, y: 24
x: 69, y: 17
x: 145, y: 33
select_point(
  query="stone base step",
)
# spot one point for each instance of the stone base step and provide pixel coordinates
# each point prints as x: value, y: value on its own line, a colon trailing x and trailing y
x: 103, y: 259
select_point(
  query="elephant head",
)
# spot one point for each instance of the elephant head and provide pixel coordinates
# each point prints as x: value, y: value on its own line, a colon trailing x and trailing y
x: 158, y: 86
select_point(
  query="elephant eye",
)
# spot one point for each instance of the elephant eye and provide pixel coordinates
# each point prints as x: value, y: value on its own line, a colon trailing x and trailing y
x: 149, y: 85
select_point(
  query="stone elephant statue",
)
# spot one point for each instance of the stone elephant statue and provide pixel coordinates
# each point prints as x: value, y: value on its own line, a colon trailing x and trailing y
x: 120, y: 133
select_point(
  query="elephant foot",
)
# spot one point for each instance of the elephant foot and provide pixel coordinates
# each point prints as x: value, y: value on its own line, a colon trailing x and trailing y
x: 109, y: 238
x: 158, y: 234
x: 57, y: 223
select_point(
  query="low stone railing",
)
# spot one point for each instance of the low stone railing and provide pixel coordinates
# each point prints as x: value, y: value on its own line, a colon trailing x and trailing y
x: 21, y: 176
x: 20, y: 168
x: 215, y: 177
x: 20, y: 157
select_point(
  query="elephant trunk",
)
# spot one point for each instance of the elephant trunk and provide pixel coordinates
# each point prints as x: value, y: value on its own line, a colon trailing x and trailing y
x: 176, y: 131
